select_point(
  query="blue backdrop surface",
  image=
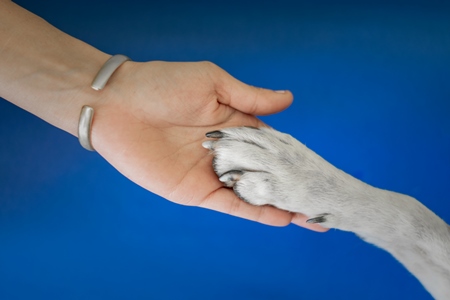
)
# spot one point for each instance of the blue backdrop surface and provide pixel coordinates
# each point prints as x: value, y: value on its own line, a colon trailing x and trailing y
x: 372, y: 95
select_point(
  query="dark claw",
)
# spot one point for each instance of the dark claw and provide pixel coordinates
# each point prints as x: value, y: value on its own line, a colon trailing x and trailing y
x: 319, y: 219
x: 217, y: 134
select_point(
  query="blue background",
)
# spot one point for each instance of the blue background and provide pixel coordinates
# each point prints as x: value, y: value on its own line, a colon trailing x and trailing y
x: 372, y: 96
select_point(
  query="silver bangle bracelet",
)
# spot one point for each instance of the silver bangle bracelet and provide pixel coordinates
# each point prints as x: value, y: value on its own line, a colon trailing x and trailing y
x: 87, y: 112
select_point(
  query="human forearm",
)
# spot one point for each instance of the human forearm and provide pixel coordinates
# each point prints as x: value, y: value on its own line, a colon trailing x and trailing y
x: 44, y: 70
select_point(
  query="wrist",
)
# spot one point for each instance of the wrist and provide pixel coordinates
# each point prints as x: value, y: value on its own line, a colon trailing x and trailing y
x: 71, y: 89
x: 44, y: 70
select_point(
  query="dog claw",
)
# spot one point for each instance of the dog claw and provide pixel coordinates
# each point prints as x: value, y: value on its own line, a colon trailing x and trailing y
x: 208, y: 145
x: 217, y: 134
x: 230, y: 178
x: 319, y: 219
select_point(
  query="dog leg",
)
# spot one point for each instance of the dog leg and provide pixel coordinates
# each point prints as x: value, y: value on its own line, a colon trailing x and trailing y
x: 264, y: 166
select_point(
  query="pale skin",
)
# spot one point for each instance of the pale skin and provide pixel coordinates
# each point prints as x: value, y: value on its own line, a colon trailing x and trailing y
x: 150, y: 119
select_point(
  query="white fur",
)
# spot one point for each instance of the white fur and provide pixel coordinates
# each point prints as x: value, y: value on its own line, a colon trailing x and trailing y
x: 265, y: 166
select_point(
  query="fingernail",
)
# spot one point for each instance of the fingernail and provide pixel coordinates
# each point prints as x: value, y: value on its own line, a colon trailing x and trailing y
x: 280, y: 91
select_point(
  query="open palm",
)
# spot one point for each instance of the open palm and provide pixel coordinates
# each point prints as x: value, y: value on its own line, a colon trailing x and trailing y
x: 154, y: 119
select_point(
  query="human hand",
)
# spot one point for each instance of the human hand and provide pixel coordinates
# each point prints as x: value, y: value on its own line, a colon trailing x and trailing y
x: 152, y: 119
x: 149, y: 121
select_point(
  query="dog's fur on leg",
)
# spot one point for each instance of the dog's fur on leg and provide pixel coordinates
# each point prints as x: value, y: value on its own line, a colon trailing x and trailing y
x: 265, y: 166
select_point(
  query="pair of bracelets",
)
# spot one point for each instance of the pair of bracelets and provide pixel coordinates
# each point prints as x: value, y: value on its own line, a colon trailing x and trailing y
x: 87, y: 112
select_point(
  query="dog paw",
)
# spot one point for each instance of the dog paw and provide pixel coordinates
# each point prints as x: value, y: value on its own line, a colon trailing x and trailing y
x: 267, y: 167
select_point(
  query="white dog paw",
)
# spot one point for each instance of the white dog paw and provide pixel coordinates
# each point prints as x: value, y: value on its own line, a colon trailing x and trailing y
x: 267, y: 167
x: 254, y: 187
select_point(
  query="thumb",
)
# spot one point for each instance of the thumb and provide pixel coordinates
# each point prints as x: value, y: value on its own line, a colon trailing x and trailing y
x: 249, y: 99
